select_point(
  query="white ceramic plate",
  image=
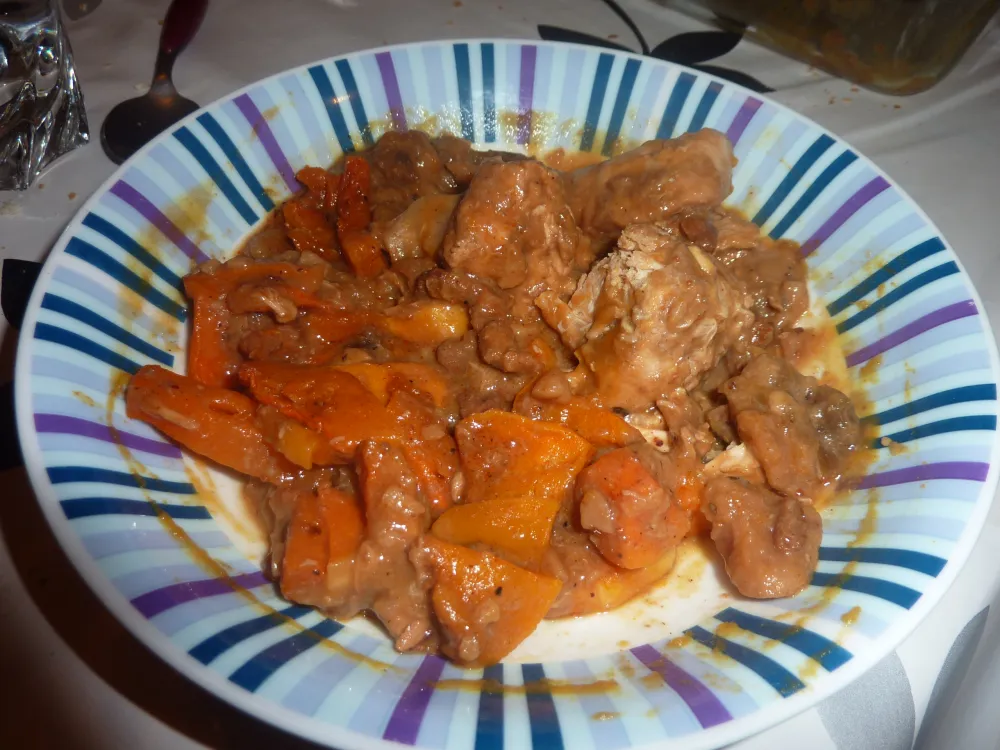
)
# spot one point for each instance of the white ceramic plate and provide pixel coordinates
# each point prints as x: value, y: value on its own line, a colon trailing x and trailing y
x: 690, y: 665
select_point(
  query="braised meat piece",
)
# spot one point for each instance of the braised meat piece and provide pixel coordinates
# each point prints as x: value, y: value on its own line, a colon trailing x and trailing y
x: 659, y: 179
x: 462, y: 160
x: 633, y: 520
x: 404, y: 167
x: 515, y: 229
x: 395, y: 519
x: 770, y: 543
x: 491, y: 363
x: 653, y: 316
x: 773, y: 274
x: 803, y: 433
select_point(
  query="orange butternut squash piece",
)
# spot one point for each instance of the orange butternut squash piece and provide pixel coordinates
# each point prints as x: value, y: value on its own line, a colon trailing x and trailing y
x: 229, y: 276
x: 598, y: 425
x: 426, y: 322
x: 217, y: 423
x: 633, y: 521
x: 304, y: 447
x: 211, y: 359
x: 334, y: 326
x: 613, y: 590
x: 323, y: 537
x: 520, y: 472
x: 296, y: 442
x: 353, y: 210
x: 520, y: 526
x: 486, y: 606
x: 363, y: 252
x: 313, y: 179
x: 595, y: 424
x: 384, y: 379
x: 605, y: 586
x: 321, y: 186
x: 331, y: 402
x: 309, y: 230
x: 688, y: 494
x: 508, y: 455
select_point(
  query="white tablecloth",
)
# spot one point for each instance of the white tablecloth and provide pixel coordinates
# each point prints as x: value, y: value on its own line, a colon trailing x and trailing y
x: 74, y: 678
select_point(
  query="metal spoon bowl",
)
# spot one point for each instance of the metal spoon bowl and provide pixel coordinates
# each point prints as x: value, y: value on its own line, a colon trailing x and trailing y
x: 135, y: 122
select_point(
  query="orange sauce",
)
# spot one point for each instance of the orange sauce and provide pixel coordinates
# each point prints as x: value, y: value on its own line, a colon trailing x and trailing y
x: 606, y: 716
x: 85, y: 399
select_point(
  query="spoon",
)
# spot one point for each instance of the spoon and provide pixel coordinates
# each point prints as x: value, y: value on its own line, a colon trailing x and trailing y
x: 135, y: 122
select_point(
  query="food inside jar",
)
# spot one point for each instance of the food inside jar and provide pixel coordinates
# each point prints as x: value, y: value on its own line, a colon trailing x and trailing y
x: 469, y: 391
x: 897, y: 47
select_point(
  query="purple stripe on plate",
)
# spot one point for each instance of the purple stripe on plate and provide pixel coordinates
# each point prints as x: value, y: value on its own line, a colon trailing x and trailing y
x: 754, y: 132
x: 962, y: 332
x: 403, y: 67
x: 404, y: 724
x: 526, y: 91
x: 136, y: 583
x: 387, y: 70
x: 856, y: 229
x: 742, y: 119
x: 434, y: 732
x: 845, y: 212
x: 154, y: 216
x: 929, y: 321
x: 154, y: 602
x: 262, y: 130
x: 705, y: 706
x: 73, y: 426
x: 69, y: 406
x: 970, y: 470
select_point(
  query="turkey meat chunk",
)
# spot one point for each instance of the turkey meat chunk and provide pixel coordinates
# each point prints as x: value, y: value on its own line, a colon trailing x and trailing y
x: 660, y: 179
x: 770, y: 543
x: 652, y: 316
x: 511, y: 239
x: 514, y: 228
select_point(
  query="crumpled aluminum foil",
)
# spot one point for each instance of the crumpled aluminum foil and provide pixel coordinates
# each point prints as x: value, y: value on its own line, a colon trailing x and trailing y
x: 41, y: 106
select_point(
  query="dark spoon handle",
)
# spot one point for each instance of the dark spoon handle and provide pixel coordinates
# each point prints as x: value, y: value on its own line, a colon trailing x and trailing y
x: 179, y: 27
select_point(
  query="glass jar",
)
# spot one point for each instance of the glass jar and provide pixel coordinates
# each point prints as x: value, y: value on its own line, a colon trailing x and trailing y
x: 893, y: 46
